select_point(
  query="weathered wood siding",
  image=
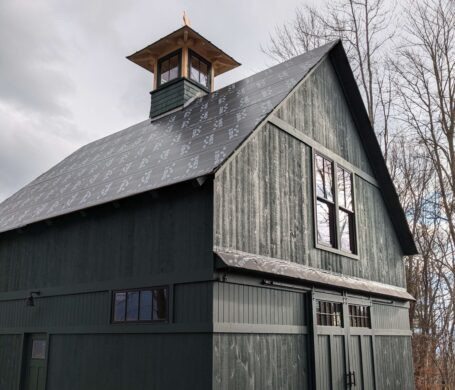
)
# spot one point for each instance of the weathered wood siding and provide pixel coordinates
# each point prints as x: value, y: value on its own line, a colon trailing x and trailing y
x: 260, y: 362
x: 144, y: 236
x: 319, y: 109
x: 130, y: 361
x: 263, y: 196
x: 394, y: 363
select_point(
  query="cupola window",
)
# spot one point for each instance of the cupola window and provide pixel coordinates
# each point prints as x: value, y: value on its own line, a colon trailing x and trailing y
x: 199, y: 70
x: 169, y: 67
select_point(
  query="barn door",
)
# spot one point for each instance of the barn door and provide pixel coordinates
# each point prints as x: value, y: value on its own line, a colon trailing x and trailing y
x: 35, y: 362
x: 342, y: 344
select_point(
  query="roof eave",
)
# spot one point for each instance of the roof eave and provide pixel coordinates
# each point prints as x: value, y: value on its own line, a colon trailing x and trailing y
x: 368, y: 137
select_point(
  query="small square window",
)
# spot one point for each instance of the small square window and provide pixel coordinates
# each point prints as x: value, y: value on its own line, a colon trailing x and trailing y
x: 359, y: 316
x: 169, y: 68
x: 39, y: 349
x: 199, y: 69
x: 329, y: 313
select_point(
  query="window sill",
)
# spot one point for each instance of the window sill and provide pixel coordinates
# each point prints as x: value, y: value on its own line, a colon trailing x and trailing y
x: 337, y: 251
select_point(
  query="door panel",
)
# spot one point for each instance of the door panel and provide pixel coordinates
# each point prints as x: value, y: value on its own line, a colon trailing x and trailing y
x: 35, y: 362
x: 355, y: 361
x: 339, y: 362
x: 323, y: 364
x: 368, y: 362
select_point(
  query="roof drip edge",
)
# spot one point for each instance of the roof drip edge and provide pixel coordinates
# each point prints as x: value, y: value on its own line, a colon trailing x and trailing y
x: 279, y: 267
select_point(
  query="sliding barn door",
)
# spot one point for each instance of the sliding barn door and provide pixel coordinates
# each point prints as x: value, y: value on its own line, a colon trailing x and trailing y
x: 342, y: 343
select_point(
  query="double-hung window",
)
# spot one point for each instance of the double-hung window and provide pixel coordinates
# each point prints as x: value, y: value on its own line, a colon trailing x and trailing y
x: 334, y: 206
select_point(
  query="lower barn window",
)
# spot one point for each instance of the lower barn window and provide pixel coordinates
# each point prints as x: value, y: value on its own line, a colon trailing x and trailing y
x: 329, y: 313
x: 140, y: 305
x: 359, y: 316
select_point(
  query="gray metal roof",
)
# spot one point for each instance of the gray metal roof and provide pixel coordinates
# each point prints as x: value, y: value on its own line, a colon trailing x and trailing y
x: 272, y: 266
x: 152, y: 154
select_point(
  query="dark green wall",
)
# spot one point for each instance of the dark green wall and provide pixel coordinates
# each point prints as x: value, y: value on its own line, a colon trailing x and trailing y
x: 130, y: 362
x: 145, y: 236
x: 173, y: 95
x: 10, y: 354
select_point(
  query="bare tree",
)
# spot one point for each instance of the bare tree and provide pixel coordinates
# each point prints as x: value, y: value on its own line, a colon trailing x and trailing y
x: 425, y: 66
x: 408, y: 86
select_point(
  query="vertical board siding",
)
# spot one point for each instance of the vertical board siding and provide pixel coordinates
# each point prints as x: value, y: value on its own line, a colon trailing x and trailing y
x: 144, y: 236
x: 10, y: 361
x: 390, y: 317
x: 235, y: 303
x: 130, y: 362
x: 59, y: 311
x: 393, y: 358
x: 264, y: 205
x: 319, y: 109
x: 323, y: 363
x: 260, y: 362
x: 193, y: 303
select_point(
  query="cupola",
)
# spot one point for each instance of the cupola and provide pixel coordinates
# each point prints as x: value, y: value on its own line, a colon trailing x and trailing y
x: 184, y: 65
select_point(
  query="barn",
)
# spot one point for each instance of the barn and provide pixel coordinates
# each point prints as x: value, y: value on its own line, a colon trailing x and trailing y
x: 242, y: 238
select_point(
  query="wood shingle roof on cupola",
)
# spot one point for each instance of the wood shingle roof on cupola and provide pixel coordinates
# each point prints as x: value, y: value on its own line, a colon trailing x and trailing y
x: 181, y: 146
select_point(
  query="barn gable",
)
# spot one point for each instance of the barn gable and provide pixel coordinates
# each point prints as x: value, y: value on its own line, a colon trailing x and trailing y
x: 264, y: 193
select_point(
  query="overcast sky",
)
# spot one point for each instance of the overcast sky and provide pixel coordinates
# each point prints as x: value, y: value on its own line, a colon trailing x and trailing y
x: 64, y: 79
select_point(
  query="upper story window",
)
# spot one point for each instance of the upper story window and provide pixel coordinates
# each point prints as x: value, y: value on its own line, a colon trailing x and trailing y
x: 169, y: 67
x: 334, y: 203
x: 199, y: 69
x: 140, y: 305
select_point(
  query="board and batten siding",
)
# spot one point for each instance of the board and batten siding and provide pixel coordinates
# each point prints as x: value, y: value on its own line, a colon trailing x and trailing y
x: 144, y: 236
x: 130, y: 361
x: 263, y: 196
x: 264, y: 205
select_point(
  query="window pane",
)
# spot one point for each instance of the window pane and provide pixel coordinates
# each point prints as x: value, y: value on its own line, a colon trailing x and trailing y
x: 324, y: 178
x: 174, y: 67
x: 39, y: 349
x: 159, y: 304
x: 194, y: 68
x: 319, y: 162
x: 328, y: 179
x: 344, y: 180
x: 120, y: 306
x: 145, y: 310
x: 346, y: 233
x: 132, y: 307
x: 204, y: 73
x: 164, y: 70
x: 325, y: 223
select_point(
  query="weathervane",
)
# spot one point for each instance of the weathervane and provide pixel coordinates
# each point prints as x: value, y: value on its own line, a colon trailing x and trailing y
x: 186, y: 19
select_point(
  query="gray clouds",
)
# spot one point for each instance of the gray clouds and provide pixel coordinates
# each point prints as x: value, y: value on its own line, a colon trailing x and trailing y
x: 64, y: 79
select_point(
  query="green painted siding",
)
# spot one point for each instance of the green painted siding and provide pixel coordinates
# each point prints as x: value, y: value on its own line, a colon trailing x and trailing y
x: 145, y: 236
x: 241, y: 304
x: 130, y: 362
x: 10, y: 359
x: 169, y: 97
